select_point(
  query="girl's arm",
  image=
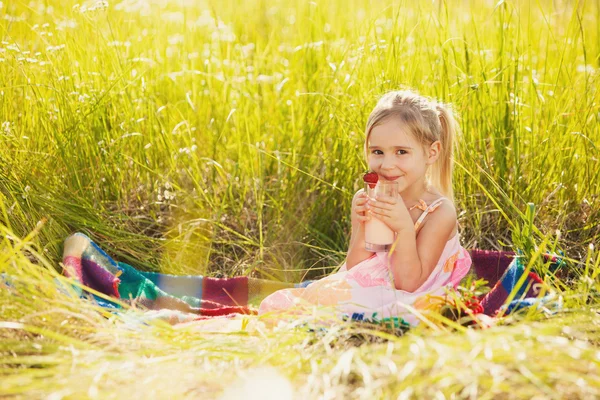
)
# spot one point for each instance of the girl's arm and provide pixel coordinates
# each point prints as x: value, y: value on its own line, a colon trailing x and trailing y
x: 356, y: 250
x: 415, y: 256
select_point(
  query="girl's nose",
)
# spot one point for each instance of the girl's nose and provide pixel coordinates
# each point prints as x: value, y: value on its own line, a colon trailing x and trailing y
x: 387, y: 163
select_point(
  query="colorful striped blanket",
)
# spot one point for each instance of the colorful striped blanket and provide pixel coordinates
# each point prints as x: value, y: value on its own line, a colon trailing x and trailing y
x: 194, y: 297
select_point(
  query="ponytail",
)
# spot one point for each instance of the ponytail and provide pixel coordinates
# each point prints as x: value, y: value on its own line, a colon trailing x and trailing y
x: 441, y: 171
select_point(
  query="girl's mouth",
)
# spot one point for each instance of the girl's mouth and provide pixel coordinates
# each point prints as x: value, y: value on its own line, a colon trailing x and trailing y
x: 389, y: 178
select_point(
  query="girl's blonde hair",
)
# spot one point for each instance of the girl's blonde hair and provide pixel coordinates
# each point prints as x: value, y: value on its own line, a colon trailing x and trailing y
x: 429, y: 121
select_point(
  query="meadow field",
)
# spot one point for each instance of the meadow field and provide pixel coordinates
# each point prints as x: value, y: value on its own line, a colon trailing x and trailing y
x: 224, y: 138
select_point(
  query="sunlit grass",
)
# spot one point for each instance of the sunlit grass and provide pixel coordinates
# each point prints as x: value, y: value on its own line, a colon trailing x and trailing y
x: 53, y: 343
x: 200, y: 125
x: 225, y: 138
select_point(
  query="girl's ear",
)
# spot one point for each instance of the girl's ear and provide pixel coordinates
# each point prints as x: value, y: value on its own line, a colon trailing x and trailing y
x: 434, y: 152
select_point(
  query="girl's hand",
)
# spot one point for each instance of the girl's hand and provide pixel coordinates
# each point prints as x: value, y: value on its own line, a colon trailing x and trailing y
x: 359, y: 207
x: 392, y: 212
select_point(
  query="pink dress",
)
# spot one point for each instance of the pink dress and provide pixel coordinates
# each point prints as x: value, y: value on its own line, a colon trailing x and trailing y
x: 367, y: 290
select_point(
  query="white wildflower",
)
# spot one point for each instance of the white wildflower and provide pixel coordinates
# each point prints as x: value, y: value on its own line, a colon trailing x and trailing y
x: 168, y: 195
x: 264, y: 78
x: 52, y: 49
x: 98, y: 5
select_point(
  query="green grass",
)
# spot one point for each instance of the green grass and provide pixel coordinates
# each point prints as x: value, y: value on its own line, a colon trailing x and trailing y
x: 225, y: 138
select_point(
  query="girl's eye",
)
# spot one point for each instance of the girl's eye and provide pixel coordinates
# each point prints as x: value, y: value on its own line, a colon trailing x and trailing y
x: 378, y: 152
x: 399, y: 152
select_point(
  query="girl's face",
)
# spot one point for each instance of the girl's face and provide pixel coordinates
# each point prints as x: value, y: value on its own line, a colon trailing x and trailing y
x: 395, y: 155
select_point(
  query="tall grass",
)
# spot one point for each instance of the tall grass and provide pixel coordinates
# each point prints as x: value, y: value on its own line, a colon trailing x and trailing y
x: 225, y: 138
x: 219, y: 136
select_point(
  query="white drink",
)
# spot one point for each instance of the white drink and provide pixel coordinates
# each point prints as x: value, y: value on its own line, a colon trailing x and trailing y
x: 378, y: 233
x: 378, y: 236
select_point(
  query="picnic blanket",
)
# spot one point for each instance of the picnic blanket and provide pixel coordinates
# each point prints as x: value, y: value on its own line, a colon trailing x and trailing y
x: 183, y: 298
x: 86, y: 262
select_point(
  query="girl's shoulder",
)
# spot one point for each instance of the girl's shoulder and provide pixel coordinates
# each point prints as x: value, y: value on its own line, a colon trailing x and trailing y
x: 442, y: 205
x: 446, y: 208
x: 438, y: 212
x: 435, y: 199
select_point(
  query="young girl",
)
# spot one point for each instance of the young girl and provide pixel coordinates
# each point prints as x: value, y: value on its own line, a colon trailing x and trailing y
x: 408, y: 140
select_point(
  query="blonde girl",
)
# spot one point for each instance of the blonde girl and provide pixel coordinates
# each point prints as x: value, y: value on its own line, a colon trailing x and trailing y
x: 409, y: 140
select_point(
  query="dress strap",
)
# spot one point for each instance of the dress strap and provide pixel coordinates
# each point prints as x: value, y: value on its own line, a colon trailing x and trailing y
x: 426, y: 210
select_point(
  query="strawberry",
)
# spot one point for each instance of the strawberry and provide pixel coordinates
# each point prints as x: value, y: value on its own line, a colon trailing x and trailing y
x: 371, y: 178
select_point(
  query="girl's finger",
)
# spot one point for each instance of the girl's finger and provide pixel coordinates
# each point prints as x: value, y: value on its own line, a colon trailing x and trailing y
x: 387, y: 200
x: 379, y: 214
x: 380, y: 206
